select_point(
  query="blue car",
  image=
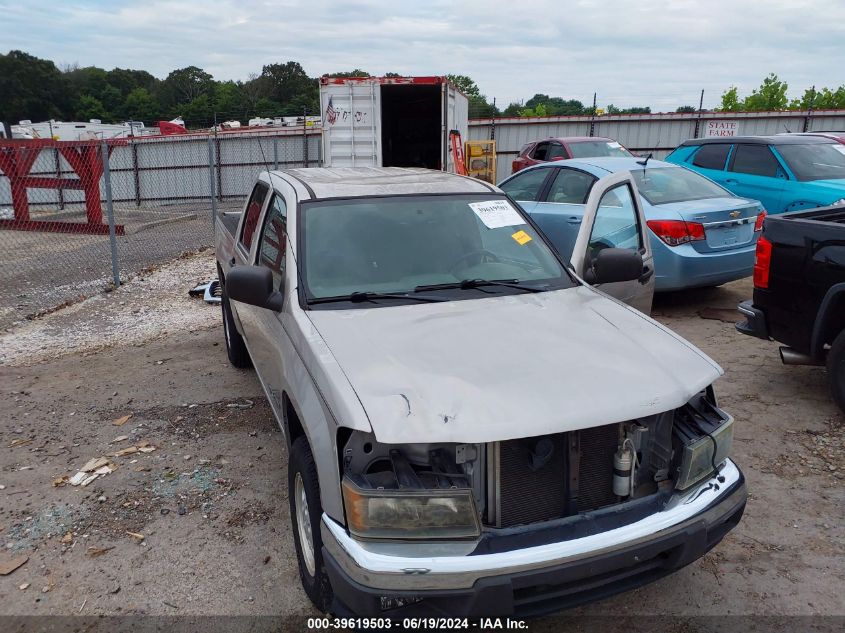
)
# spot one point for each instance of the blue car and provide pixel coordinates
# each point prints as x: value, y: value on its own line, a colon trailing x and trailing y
x: 700, y: 234
x: 784, y: 172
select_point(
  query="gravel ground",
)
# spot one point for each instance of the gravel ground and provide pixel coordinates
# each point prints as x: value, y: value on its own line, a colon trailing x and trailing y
x: 42, y: 270
x: 210, y: 499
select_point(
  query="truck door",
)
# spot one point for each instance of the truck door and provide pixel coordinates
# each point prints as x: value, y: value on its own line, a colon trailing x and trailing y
x: 613, y: 218
x: 270, y: 344
x: 351, y: 123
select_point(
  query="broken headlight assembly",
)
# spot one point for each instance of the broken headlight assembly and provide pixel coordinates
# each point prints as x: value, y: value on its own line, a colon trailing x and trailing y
x: 410, y: 514
x: 411, y: 491
x: 702, y: 438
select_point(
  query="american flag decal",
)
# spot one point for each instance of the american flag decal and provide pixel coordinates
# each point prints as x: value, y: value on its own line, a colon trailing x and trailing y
x: 331, y: 113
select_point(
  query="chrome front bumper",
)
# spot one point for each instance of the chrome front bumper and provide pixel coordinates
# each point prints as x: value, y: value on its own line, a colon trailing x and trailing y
x: 438, y: 567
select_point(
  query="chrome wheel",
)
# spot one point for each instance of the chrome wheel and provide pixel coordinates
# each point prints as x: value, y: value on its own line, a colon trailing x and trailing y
x: 303, y: 522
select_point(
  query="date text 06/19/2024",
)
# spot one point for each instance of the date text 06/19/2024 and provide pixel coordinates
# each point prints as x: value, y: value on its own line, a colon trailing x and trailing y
x: 420, y: 624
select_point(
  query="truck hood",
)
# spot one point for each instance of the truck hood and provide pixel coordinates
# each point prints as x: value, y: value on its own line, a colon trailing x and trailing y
x: 499, y: 368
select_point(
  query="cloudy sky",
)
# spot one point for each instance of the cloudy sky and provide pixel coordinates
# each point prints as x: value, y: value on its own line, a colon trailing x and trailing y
x: 660, y: 53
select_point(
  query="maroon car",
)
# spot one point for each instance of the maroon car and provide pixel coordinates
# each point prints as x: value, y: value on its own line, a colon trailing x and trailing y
x: 567, y: 147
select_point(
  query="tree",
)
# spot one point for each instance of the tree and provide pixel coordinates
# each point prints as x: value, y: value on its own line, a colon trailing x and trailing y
x: 286, y: 81
x: 199, y: 112
x: 771, y: 95
x: 30, y: 88
x: 824, y: 99
x: 184, y: 85
x: 465, y: 85
x: 140, y: 105
x: 126, y: 80
x: 392, y: 75
x: 88, y: 107
x: 229, y: 100
x: 513, y: 109
x: 730, y: 100
x: 686, y: 109
x: 266, y: 107
x: 352, y: 73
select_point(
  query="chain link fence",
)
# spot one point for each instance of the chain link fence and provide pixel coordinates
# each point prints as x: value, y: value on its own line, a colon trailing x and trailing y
x: 78, y: 217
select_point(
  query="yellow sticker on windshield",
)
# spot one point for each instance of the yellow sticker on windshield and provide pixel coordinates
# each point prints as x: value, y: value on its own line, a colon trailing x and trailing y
x: 521, y: 237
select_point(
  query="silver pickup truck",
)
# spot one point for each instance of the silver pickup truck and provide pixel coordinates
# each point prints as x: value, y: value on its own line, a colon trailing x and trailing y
x: 473, y: 430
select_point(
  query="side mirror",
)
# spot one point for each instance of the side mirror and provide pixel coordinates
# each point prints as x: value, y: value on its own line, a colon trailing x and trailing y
x: 614, y: 264
x: 253, y: 285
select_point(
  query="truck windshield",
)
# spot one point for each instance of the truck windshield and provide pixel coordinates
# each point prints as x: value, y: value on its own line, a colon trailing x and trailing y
x: 399, y: 244
x: 819, y: 161
x: 662, y: 185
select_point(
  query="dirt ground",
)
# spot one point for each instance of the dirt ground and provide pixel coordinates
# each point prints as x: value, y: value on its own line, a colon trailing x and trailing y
x: 199, y: 525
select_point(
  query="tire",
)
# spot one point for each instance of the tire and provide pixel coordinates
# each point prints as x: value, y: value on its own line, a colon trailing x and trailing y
x: 836, y: 370
x: 235, y: 347
x: 304, y: 488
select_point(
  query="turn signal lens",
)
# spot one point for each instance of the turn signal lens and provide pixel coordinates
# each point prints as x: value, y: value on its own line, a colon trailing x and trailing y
x: 762, y: 260
x: 758, y: 225
x: 677, y: 232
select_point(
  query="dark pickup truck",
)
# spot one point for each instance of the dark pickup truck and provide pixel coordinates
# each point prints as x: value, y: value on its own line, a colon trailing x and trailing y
x: 799, y: 291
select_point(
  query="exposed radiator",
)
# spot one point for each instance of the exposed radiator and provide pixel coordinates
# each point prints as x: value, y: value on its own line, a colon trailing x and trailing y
x: 529, y: 492
x: 524, y: 485
x: 595, y: 472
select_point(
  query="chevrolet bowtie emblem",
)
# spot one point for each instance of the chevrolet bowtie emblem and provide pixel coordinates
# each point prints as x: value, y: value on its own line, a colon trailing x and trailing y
x: 735, y: 214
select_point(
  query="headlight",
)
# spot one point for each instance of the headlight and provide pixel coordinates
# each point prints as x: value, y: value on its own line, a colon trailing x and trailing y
x: 700, y: 452
x: 410, y: 514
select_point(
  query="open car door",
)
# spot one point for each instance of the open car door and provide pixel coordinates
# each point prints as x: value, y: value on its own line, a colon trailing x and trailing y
x: 613, y: 219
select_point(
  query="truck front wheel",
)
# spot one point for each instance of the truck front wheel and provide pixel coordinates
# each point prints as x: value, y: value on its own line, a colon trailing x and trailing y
x: 235, y: 346
x: 305, y: 515
x: 836, y: 370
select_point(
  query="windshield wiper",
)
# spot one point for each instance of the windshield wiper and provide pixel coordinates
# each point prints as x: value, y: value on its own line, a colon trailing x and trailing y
x: 468, y: 284
x: 359, y: 297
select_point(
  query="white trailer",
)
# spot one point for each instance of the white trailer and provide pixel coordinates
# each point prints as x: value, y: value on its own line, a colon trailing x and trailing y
x: 391, y: 121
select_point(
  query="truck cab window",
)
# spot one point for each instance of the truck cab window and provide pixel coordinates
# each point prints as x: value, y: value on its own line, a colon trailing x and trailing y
x: 253, y: 211
x: 271, y: 252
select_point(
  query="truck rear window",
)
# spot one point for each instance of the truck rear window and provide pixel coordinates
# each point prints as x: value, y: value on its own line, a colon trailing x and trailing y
x: 253, y: 210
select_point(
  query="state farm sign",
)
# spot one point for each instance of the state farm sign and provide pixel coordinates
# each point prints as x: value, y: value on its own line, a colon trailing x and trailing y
x: 721, y: 128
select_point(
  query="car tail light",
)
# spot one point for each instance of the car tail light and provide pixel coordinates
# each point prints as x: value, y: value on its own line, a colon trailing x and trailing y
x: 762, y: 260
x: 758, y: 225
x: 515, y: 166
x: 677, y: 232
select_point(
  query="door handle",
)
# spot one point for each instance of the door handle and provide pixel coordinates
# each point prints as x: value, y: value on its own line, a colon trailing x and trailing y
x: 574, y: 220
x: 232, y: 262
x: 647, y: 273
x: 731, y: 181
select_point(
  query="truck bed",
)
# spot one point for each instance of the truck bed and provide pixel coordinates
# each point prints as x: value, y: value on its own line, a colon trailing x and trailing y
x: 229, y: 221
x: 225, y: 231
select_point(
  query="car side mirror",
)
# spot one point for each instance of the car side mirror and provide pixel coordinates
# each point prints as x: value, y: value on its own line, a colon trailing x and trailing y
x: 253, y: 285
x: 610, y: 265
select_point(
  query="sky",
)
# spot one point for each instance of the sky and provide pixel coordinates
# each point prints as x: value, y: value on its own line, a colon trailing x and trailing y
x: 659, y: 53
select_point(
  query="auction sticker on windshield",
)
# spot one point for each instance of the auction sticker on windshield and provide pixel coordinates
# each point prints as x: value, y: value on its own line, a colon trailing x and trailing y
x: 496, y: 213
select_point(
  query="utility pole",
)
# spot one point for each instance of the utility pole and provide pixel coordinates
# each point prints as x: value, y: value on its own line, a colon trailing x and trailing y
x: 809, y: 109
x: 698, y: 120
x: 593, y: 118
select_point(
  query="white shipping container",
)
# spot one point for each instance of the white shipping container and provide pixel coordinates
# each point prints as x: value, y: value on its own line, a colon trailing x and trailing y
x: 391, y: 121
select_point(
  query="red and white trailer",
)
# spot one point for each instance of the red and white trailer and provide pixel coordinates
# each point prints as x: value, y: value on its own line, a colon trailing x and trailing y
x: 391, y: 121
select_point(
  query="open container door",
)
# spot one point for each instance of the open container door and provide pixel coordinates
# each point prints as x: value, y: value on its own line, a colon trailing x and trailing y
x: 351, y: 123
x: 455, y: 117
x: 614, y: 218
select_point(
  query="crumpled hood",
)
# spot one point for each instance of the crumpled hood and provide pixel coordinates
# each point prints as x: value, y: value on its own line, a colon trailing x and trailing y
x: 506, y: 367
